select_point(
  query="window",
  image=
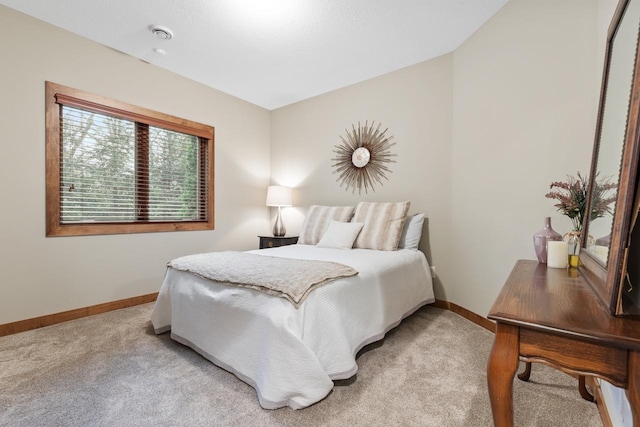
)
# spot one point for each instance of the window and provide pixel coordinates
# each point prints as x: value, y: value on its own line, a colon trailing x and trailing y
x: 117, y: 168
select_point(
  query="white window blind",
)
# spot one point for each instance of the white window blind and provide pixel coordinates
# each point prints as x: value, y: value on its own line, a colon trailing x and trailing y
x: 118, y: 170
x: 174, y: 193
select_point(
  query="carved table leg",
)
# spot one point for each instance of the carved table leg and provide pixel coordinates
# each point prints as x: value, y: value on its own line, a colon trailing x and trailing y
x: 582, y: 388
x: 633, y: 392
x: 502, y: 367
x: 526, y: 374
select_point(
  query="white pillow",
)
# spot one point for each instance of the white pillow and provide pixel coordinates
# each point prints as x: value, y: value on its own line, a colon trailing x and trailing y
x: 411, y: 233
x: 340, y: 235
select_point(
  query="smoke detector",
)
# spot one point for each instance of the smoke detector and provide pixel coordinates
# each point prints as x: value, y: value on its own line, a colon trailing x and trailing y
x: 161, y: 32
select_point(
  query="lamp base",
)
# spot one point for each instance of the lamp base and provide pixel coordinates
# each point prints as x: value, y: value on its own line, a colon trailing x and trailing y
x: 278, y: 228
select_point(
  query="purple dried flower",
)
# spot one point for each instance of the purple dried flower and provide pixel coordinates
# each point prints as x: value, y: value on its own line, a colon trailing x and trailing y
x: 572, y: 198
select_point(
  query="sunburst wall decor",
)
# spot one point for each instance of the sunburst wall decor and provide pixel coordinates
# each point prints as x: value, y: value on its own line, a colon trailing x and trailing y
x: 360, y: 159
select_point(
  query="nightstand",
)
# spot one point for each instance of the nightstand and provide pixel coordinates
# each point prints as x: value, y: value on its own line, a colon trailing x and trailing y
x: 274, y: 242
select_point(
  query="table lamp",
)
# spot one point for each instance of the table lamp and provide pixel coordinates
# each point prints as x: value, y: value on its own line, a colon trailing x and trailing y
x: 278, y: 196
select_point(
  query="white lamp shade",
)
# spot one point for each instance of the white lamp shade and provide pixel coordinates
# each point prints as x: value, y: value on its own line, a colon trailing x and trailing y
x: 278, y: 196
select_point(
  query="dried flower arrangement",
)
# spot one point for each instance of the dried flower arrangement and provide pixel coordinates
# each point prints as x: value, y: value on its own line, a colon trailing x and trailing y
x: 572, y: 197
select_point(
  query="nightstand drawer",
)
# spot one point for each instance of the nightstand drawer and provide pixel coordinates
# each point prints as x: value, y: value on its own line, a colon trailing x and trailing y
x: 274, y: 242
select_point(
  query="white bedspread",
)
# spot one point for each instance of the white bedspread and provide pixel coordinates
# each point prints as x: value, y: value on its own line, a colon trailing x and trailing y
x: 290, y: 356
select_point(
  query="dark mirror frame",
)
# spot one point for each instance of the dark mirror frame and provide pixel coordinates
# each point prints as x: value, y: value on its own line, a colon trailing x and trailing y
x: 606, y: 280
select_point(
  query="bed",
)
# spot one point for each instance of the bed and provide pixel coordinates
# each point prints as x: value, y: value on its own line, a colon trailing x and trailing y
x: 289, y: 354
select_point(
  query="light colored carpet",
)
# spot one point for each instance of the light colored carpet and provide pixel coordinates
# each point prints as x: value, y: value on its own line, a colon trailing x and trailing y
x: 111, y: 370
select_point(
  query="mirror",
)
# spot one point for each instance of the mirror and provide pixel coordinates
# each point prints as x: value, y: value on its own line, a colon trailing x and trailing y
x: 614, y: 164
x: 613, y: 126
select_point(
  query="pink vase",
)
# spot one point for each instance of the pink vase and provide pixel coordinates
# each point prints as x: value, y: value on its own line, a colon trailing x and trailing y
x: 541, y: 238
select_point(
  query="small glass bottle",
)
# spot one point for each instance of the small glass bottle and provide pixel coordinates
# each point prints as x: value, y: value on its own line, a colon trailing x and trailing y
x: 573, y: 246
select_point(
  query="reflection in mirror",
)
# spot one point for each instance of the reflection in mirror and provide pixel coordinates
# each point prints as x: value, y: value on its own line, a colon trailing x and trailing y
x: 613, y: 126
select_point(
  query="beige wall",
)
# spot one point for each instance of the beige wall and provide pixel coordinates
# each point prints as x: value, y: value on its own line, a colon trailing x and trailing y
x: 415, y: 103
x: 481, y: 134
x: 525, y: 101
x: 41, y: 275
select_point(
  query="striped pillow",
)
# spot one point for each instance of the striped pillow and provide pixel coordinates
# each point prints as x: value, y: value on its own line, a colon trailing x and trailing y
x: 317, y: 221
x: 383, y: 223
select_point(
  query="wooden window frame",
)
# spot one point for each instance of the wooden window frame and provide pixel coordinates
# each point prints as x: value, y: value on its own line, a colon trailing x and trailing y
x: 55, y: 96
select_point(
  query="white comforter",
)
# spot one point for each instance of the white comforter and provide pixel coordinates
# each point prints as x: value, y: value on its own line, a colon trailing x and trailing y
x: 290, y: 356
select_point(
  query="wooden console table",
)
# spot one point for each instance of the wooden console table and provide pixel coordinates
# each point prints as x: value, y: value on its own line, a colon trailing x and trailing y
x: 551, y: 316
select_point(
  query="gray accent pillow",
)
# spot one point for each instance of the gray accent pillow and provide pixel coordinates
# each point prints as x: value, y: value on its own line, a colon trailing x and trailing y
x: 383, y: 224
x: 317, y: 221
x: 412, y: 232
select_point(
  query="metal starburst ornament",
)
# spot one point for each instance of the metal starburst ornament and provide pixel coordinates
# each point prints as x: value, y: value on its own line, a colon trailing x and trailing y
x: 360, y: 159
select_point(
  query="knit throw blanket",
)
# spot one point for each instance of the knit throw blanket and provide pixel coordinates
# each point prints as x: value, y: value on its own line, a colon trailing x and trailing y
x: 288, y: 278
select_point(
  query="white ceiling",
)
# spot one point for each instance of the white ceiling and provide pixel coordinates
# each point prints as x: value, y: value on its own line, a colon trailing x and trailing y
x: 273, y: 52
